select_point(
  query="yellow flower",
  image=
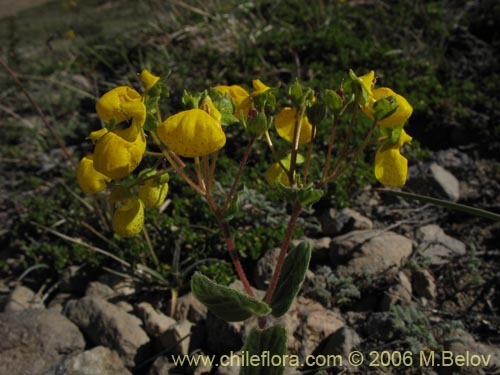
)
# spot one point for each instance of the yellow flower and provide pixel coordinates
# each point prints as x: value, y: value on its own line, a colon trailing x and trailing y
x: 192, y: 133
x: 119, y: 152
x: 391, y: 167
x: 152, y: 193
x: 96, y: 135
x: 128, y: 219
x: 208, y: 106
x: 285, y: 125
x: 275, y: 173
x: 148, y: 79
x: 259, y: 87
x: 70, y: 34
x: 368, y: 81
x: 399, y: 117
x: 90, y: 180
x: 122, y: 103
x: 241, y: 97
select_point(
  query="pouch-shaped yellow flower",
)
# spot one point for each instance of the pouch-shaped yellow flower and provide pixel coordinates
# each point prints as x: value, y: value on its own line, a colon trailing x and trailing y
x: 391, y: 167
x: 241, y: 98
x: 402, y: 114
x: 285, y: 125
x: 403, y: 111
x: 148, y: 79
x: 276, y: 174
x: 128, y: 219
x: 110, y: 105
x: 208, y: 106
x: 119, y: 152
x: 152, y: 193
x: 90, y: 180
x: 259, y: 87
x: 192, y: 133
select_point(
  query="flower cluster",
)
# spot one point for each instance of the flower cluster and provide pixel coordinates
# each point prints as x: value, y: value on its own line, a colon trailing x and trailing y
x: 391, y: 167
x: 199, y: 132
x: 119, y: 149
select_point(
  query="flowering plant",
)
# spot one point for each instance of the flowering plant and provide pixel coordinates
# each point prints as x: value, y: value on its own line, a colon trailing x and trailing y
x: 190, y: 142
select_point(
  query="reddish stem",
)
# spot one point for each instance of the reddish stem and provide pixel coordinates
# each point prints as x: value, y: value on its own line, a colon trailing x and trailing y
x: 235, y: 259
x: 284, y: 249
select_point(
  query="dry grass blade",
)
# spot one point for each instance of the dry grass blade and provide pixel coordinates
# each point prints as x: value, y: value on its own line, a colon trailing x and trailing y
x: 78, y: 241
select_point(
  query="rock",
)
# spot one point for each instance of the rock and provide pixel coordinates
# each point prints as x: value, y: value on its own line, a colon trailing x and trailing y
x: 265, y: 267
x: 432, y: 179
x: 97, y: 361
x: 177, y: 337
x: 203, y: 365
x: 22, y: 298
x: 446, y: 181
x: 228, y: 370
x: 307, y: 322
x: 320, y: 250
x: 461, y: 342
x: 73, y: 280
x: 161, y: 366
x: 155, y: 323
x: 32, y: 341
x: 57, y: 303
x: 369, y: 252
x: 108, y: 325
x: 453, y: 159
x: 341, y: 342
x: 400, y: 292
x: 122, y: 286
x: 96, y: 289
x: 189, y: 308
x: 125, y: 306
x: 336, y: 222
x: 424, y: 284
x: 380, y: 326
x: 437, y: 246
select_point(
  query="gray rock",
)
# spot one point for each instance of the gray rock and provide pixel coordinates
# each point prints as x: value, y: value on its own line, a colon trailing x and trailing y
x: 97, y: 361
x: 307, y: 322
x: 336, y: 221
x: 203, y: 365
x: 341, y: 342
x: 161, y: 366
x: 177, y: 337
x: 125, y: 306
x: 189, y: 308
x: 57, y: 303
x: 380, y: 326
x: 32, y: 341
x: 96, y: 289
x: 122, y: 286
x: 155, y: 322
x: 424, y: 284
x: 23, y: 298
x: 73, y: 280
x: 432, y: 179
x: 108, y: 325
x: 369, y: 252
x: 401, y: 292
x: 461, y: 342
x: 265, y: 267
x: 446, y: 181
x: 453, y: 159
x: 437, y: 246
x: 320, y: 250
